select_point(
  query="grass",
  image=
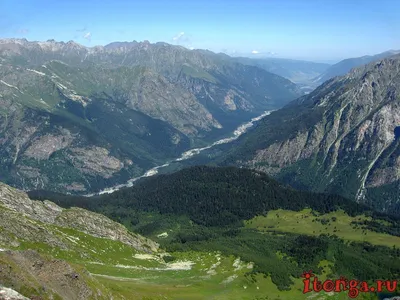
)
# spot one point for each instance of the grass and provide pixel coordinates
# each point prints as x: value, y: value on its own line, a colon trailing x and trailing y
x: 191, y: 71
x: 309, y: 223
x: 246, y: 288
x: 125, y: 274
x: 208, y: 275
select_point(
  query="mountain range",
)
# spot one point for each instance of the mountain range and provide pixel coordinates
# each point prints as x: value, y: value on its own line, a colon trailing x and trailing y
x: 309, y: 75
x: 97, y: 116
x: 343, y: 138
x: 303, y: 73
x: 344, y: 66
x: 314, y: 185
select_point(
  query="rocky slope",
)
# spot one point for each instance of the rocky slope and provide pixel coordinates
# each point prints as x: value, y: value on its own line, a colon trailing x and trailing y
x: 97, y: 116
x: 342, y: 138
x: 40, y: 244
x: 38, y: 222
x: 40, y: 277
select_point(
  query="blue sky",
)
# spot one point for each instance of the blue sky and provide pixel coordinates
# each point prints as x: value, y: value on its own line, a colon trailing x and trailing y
x: 304, y: 29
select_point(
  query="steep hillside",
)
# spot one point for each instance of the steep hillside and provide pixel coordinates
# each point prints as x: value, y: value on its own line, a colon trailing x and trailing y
x: 48, y: 252
x: 105, y: 114
x: 210, y: 79
x: 342, y: 138
x: 44, y: 248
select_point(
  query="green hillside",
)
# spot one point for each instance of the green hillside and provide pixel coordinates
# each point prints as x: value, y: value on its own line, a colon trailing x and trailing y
x: 244, y: 214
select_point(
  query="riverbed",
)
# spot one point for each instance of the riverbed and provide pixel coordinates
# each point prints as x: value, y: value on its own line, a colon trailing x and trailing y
x: 187, y: 154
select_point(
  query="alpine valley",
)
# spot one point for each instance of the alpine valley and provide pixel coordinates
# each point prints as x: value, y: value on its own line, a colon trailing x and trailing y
x: 313, y: 185
x: 77, y: 119
x: 342, y: 138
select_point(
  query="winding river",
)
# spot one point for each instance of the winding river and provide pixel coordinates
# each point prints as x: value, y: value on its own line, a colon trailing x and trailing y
x: 186, y: 155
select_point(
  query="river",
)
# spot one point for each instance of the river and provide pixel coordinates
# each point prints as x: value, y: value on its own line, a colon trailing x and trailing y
x: 186, y: 155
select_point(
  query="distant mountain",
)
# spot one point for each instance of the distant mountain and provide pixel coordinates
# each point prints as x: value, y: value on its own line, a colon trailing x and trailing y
x: 342, y: 138
x: 77, y: 119
x: 298, y: 71
x: 344, y: 66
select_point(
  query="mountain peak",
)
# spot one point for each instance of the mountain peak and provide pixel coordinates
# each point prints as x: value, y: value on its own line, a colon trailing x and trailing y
x: 14, y: 40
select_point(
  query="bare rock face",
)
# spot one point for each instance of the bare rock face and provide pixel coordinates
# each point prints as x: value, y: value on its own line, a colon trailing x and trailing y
x: 95, y: 160
x: 42, y: 147
x: 340, y: 138
x: 100, y: 226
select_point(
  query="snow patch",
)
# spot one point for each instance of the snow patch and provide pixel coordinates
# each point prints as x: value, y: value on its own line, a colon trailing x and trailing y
x: 10, y: 85
x: 61, y: 86
x: 37, y: 72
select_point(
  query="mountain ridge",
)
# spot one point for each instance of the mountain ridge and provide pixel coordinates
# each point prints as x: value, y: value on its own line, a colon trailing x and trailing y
x: 131, y: 106
x: 330, y: 133
x: 345, y: 66
x: 298, y: 71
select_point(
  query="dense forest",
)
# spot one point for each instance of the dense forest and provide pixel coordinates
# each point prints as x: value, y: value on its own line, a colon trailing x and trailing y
x: 205, y: 208
x: 210, y: 196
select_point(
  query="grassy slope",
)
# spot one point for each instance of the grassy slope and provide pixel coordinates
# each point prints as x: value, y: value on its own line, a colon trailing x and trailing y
x: 198, y: 284
x: 127, y: 273
x: 309, y: 223
x: 197, y: 209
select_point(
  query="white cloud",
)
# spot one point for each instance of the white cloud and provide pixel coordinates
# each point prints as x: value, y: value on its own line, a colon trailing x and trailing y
x: 87, y: 36
x: 255, y: 52
x: 184, y: 40
x: 178, y: 36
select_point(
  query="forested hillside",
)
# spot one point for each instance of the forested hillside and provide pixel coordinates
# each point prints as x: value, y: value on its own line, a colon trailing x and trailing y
x: 204, y: 209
